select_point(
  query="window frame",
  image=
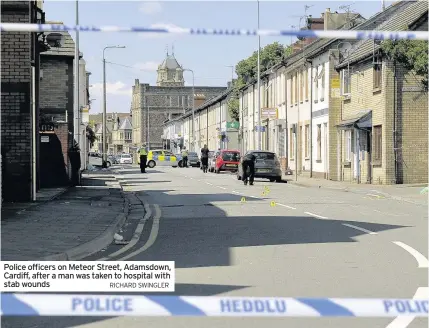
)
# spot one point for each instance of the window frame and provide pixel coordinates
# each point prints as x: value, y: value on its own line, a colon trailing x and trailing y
x: 377, y: 147
x: 345, y: 79
x: 348, y: 145
x: 319, y: 142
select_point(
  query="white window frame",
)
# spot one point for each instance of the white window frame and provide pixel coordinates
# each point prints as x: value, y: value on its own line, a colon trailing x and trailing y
x: 316, y: 83
x: 348, y: 145
x: 343, y: 82
x: 322, y: 83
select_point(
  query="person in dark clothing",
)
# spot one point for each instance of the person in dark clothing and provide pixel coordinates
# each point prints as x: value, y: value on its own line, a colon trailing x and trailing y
x: 205, y: 158
x: 248, y: 166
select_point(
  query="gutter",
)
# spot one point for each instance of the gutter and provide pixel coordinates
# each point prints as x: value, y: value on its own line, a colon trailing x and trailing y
x: 311, y: 116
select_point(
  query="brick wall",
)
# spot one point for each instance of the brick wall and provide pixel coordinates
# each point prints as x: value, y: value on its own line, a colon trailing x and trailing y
x: 16, y: 128
x: 56, y: 87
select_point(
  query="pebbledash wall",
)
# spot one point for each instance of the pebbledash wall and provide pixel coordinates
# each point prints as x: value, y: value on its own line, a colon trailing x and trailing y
x: 16, y: 123
x: 162, y: 103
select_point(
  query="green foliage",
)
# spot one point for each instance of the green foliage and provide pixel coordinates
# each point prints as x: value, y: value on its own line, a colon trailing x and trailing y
x: 270, y: 55
x: 412, y: 54
x: 234, y: 107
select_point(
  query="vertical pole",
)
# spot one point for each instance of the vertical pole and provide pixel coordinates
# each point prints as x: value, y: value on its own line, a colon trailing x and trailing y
x: 259, y: 88
x: 104, y: 143
x: 34, y: 141
x: 76, y: 79
x: 193, y: 111
x: 296, y: 152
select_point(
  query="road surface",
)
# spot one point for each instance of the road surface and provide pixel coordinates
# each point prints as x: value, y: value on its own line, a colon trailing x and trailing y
x: 280, y: 240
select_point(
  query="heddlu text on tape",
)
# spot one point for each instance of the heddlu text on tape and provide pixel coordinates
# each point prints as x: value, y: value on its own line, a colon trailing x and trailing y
x: 87, y: 276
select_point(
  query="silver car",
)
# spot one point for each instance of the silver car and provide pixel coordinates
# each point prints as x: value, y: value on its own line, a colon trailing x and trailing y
x: 267, y: 166
x: 193, y: 159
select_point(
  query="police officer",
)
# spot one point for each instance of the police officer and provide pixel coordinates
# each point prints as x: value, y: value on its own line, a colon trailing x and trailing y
x: 248, y: 166
x: 184, y: 157
x: 143, y: 158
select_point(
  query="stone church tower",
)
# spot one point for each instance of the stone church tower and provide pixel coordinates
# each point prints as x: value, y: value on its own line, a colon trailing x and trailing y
x: 170, y: 73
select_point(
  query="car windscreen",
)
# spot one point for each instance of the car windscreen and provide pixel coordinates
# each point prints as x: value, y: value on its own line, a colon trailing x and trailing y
x: 126, y: 156
x: 193, y: 154
x: 230, y: 156
x: 264, y: 156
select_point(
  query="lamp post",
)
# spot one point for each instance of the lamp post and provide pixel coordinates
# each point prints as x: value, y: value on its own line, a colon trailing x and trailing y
x: 193, y: 107
x: 259, y: 87
x: 104, y: 143
x: 76, y: 115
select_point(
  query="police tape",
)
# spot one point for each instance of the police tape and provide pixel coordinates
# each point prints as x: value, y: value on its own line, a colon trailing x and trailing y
x: 375, y: 34
x: 125, y: 305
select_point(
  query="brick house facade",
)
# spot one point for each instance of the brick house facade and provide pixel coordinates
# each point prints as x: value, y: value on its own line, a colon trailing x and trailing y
x: 384, y: 127
x: 19, y: 52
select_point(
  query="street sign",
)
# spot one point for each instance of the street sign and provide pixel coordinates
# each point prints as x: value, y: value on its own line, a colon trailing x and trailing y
x: 232, y: 125
x: 44, y: 138
x: 270, y: 113
x: 257, y: 128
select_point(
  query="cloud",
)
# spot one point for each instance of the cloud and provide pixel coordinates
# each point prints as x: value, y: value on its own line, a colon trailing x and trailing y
x: 151, y: 7
x: 150, y: 35
x: 150, y: 66
x: 118, y: 89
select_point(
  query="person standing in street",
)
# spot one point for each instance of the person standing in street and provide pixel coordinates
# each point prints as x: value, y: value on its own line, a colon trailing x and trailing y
x: 248, y: 166
x: 143, y: 158
x: 184, y: 157
x: 205, y: 158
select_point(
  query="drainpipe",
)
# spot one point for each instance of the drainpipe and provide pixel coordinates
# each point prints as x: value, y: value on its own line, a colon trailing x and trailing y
x: 395, y: 141
x: 311, y: 116
x: 286, y: 122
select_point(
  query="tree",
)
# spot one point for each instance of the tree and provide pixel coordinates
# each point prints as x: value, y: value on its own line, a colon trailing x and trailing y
x: 412, y: 54
x: 234, y: 107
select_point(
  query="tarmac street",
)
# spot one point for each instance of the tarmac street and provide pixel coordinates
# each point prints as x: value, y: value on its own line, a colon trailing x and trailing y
x: 269, y: 239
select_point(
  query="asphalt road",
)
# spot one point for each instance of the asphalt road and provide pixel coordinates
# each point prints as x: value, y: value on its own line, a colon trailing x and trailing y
x: 282, y: 240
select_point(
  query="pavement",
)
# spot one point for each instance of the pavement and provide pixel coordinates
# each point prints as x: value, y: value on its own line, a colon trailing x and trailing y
x: 64, y: 224
x: 270, y: 239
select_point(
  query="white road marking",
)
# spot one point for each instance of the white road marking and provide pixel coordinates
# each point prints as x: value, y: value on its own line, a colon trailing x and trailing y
x: 136, y: 235
x: 359, y: 228
x: 211, y: 184
x: 420, y: 258
x: 253, y: 196
x: 221, y: 187
x: 152, y: 237
x: 292, y: 208
x: 236, y: 192
x: 316, y: 215
x: 403, y: 322
x: 378, y: 196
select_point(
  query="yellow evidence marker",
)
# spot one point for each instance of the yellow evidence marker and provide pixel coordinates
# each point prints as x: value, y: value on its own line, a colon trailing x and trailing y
x: 243, y: 199
x: 273, y: 203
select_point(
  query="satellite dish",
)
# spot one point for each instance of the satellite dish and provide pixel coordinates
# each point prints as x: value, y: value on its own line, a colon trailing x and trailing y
x: 345, y: 48
x: 56, y: 40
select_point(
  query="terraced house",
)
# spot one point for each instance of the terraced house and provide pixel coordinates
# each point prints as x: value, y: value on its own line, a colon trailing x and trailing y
x: 384, y: 126
x: 310, y: 105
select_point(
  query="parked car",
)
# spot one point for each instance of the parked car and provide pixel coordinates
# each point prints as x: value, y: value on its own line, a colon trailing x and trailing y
x: 126, y: 159
x: 114, y: 159
x: 211, y: 154
x: 96, y: 159
x: 160, y: 157
x: 267, y: 166
x: 227, y: 160
x: 193, y: 159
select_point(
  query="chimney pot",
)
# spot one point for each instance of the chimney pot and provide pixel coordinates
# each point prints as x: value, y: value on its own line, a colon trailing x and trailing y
x: 328, y: 10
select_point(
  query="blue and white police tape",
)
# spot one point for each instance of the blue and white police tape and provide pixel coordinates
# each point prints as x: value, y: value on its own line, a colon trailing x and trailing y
x: 126, y: 305
x: 379, y: 35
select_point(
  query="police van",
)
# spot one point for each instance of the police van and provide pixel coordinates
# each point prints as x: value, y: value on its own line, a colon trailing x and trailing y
x: 160, y: 157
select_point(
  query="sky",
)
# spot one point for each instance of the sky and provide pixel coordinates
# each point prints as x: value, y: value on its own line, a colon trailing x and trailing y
x: 210, y: 57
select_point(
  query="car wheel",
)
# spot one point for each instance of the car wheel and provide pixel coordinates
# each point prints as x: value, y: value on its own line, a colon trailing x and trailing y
x: 272, y: 179
x: 108, y: 164
x: 151, y: 164
x: 238, y: 177
x: 180, y: 163
x: 217, y: 171
x: 279, y: 179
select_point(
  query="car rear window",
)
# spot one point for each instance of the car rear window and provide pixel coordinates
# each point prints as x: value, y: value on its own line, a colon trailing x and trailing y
x: 193, y: 154
x: 265, y: 155
x: 230, y: 156
x: 126, y: 156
